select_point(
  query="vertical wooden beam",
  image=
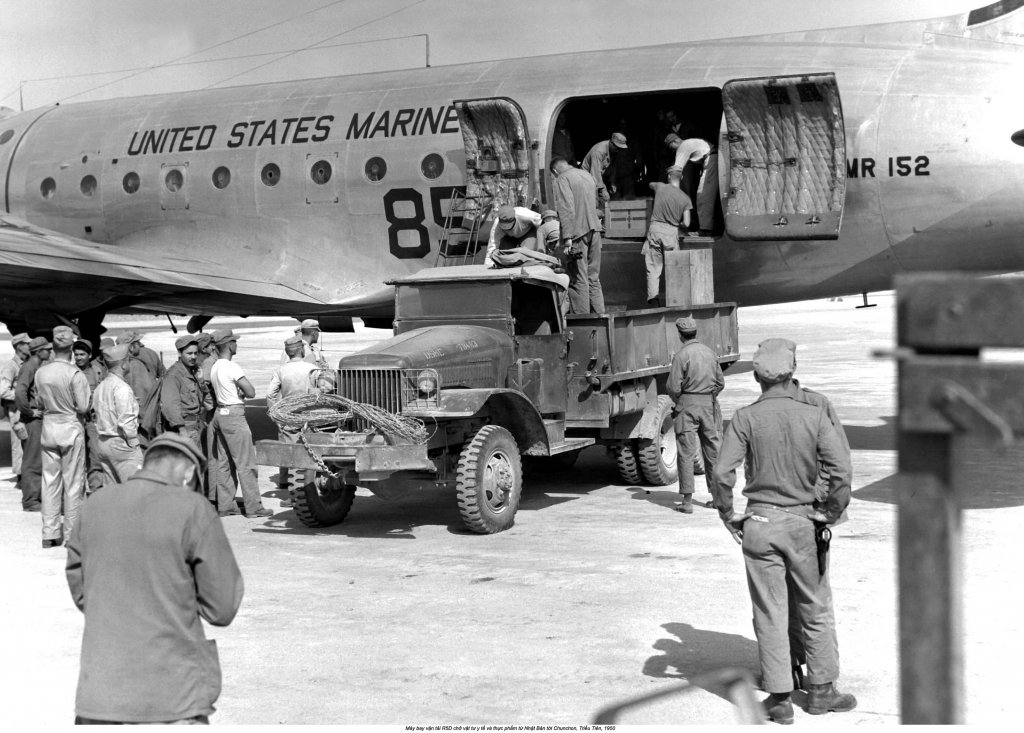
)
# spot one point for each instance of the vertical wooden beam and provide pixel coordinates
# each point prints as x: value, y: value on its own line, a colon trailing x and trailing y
x: 930, y: 582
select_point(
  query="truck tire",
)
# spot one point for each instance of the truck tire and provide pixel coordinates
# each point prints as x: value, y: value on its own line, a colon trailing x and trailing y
x: 319, y: 500
x: 659, y: 457
x: 489, y: 480
x: 627, y: 463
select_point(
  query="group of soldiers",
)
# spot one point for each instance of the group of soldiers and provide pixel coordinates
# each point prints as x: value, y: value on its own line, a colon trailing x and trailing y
x: 798, y: 472
x: 80, y: 423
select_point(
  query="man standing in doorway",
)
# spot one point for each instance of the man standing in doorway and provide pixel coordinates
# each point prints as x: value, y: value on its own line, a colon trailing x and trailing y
x: 695, y: 151
x: 576, y: 203
x: 597, y: 161
x: 671, y: 210
x: 232, y: 448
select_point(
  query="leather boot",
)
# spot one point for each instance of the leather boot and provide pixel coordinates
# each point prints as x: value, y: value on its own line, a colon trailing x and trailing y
x: 686, y: 505
x: 778, y: 708
x: 826, y: 698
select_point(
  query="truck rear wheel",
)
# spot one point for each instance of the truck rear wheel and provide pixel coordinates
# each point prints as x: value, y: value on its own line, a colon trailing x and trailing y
x: 489, y: 480
x: 319, y: 500
x: 627, y: 462
x: 659, y: 458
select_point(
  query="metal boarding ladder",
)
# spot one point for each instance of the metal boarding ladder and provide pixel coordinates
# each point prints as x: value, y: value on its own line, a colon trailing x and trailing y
x: 458, y: 244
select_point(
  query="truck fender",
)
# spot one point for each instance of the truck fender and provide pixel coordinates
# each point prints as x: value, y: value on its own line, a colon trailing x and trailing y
x: 649, y: 427
x: 506, y: 407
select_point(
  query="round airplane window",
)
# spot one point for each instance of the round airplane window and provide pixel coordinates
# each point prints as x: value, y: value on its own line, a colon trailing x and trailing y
x: 432, y: 166
x: 174, y: 180
x: 88, y: 185
x: 48, y: 188
x: 5, y: 136
x: 320, y: 173
x: 271, y: 174
x: 130, y: 183
x: 376, y: 169
x: 221, y: 177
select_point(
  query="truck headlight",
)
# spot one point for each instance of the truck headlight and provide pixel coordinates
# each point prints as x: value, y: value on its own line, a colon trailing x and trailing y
x: 426, y: 383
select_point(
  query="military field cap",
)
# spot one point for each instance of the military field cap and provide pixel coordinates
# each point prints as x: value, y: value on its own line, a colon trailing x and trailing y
x: 181, y: 444
x: 293, y: 341
x: 129, y: 337
x: 672, y: 138
x: 223, y: 336
x: 63, y: 337
x: 674, y: 170
x: 115, y: 354
x: 105, y: 342
x: 38, y: 344
x: 548, y: 214
x: 203, y: 339
x: 181, y: 343
x: 774, y: 361
x: 686, y: 324
x: 310, y: 324
x: 553, y: 231
x: 507, y: 217
x: 20, y: 338
x: 774, y: 343
x: 81, y: 345
x: 618, y: 140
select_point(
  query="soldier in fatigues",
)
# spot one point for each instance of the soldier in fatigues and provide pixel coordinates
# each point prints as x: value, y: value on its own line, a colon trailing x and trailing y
x: 694, y: 381
x: 786, y: 440
x: 183, y: 401
x: 32, y: 418
x: 291, y: 379
x: 117, y: 420
x: 8, y: 378
x: 95, y: 373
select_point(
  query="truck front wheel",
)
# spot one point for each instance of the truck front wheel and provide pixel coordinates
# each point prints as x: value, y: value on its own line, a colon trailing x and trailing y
x: 659, y: 458
x: 319, y: 500
x: 489, y: 480
x: 627, y: 462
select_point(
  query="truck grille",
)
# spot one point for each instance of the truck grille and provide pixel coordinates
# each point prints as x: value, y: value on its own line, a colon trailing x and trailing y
x: 378, y: 387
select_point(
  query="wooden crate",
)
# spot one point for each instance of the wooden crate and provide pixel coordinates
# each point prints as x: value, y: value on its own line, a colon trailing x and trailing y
x: 689, y: 277
x: 627, y: 219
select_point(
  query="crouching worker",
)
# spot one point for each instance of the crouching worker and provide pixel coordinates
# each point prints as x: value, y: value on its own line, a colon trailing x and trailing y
x: 515, y: 227
x: 149, y: 561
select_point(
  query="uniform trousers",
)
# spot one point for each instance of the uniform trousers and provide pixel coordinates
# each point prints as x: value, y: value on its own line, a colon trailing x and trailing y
x: 781, y: 557
x: 585, y: 294
x: 707, y: 193
x: 94, y: 476
x: 118, y: 460
x: 18, y: 435
x: 698, y: 425
x: 661, y: 238
x: 63, y: 450
x: 32, y: 465
x: 233, y: 452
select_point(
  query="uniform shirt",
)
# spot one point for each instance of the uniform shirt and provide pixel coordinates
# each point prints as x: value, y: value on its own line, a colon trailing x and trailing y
x: 597, y: 161
x: 692, y: 149
x: 9, y: 377
x: 25, y: 388
x: 670, y: 204
x: 181, y: 396
x: 63, y: 391
x: 313, y: 355
x: 94, y: 374
x: 116, y: 410
x: 576, y: 203
x: 223, y: 375
x: 151, y: 360
x: 289, y: 380
x: 138, y: 377
x: 695, y: 370
x: 526, y: 219
x: 785, y: 441
x: 146, y: 562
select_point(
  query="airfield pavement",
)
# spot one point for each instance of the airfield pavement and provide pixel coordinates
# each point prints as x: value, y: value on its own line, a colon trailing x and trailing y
x: 600, y: 592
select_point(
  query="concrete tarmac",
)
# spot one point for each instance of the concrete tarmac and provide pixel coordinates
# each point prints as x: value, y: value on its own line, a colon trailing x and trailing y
x: 600, y: 593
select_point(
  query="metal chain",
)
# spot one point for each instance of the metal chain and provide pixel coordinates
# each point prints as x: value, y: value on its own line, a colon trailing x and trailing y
x: 316, y: 458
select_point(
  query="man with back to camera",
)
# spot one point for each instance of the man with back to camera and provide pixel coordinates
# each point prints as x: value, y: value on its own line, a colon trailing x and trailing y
x: 576, y: 203
x: 148, y: 562
x: 290, y: 379
x: 232, y: 448
x: 8, y: 378
x: 671, y: 211
x: 63, y: 392
x: 695, y: 151
x: 309, y: 332
x: 31, y: 411
x: 116, y: 412
x: 787, y: 442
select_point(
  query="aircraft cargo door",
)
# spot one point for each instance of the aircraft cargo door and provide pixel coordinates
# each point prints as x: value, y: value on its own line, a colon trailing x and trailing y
x: 787, y: 158
x: 498, y: 164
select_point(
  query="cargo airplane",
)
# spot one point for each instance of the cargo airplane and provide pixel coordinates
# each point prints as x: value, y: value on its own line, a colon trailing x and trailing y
x: 845, y: 156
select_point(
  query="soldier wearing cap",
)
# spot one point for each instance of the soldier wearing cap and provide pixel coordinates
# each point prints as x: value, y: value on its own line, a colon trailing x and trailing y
x: 117, y: 419
x: 694, y: 381
x: 63, y: 392
x: 148, y: 563
x: 183, y: 401
x: 31, y: 410
x: 599, y: 158
x: 701, y: 156
x: 670, y: 212
x: 137, y: 350
x: 549, y: 233
x: 291, y: 379
x: 309, y: 332
x: 232, y: 448
x: 8, y: 378
x: 138, y: 375
x: 514, y: 226
x: 576, y: 203
x: 786, y: 441
x: 95, y: 372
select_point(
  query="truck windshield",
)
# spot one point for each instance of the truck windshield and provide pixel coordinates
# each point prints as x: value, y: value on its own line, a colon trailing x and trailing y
x: 446, y: 299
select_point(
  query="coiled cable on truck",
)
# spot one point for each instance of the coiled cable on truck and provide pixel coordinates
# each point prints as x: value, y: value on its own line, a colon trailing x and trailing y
x: 317, y: 410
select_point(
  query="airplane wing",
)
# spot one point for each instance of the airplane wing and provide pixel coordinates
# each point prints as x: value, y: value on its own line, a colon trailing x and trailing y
x: 65, y: 275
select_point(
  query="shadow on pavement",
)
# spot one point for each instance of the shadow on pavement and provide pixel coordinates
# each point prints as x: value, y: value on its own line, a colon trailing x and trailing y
x: 874, y: 437
x: 698, y: 651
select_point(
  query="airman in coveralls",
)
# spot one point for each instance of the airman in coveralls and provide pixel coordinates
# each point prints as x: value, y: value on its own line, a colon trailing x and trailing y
x: 786, y: 441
